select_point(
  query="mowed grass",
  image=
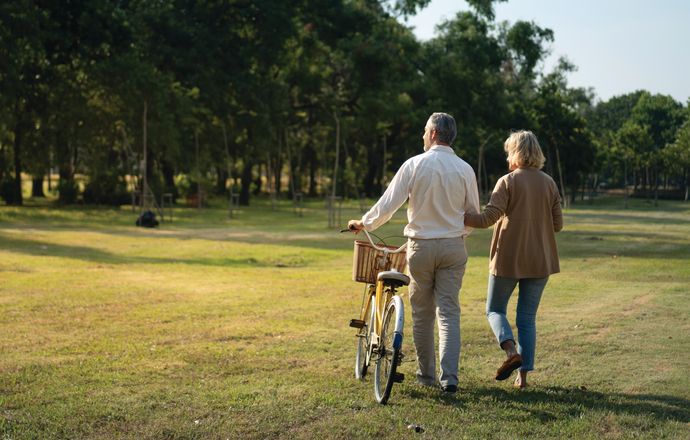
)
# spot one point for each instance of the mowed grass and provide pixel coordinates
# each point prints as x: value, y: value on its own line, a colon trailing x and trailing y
x: 210, y: 327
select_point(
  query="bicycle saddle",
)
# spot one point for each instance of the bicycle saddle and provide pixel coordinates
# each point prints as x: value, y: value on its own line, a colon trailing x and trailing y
x: 394, y: 277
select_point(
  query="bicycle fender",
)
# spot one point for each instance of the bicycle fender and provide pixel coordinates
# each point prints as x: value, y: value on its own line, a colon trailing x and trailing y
x: 399, y: 323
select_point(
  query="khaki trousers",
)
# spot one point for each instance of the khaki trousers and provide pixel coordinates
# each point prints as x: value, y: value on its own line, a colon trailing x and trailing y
x: 436, y: 270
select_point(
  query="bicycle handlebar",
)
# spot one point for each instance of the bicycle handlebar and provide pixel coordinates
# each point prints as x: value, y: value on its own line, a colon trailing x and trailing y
x: 379, y: 248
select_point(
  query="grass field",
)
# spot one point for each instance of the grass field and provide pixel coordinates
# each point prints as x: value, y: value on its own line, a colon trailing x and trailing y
x: 210, y: 327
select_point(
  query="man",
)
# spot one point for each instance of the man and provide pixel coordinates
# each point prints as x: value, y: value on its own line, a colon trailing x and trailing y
x: 441, y: 187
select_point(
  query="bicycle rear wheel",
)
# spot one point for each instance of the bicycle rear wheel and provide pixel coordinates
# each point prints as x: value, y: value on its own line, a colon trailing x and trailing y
x: 390, y: 343
x: 364, y: 342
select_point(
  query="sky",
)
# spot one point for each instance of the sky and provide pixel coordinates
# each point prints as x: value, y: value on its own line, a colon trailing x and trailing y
x: 618, y: 46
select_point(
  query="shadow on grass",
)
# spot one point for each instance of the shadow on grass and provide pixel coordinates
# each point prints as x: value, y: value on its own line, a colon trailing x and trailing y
x: 569, y: 402
x: 624, y: 244
x: 48, y: 249
x: 296, y: 235
x: 628, y: 218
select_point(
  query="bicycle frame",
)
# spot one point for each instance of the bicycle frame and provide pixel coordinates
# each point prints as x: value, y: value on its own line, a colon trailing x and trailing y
x: 382, y: 297
x: 381, y: 322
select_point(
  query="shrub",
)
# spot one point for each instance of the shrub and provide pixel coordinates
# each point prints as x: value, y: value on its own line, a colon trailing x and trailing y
x: 7, y: 191
x: 106, y: 190
x: 68, y: 190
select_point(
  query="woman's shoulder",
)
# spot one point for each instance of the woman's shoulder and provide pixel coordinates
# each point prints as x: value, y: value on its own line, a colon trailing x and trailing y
x: 546, y: 176
x: 533, y: 173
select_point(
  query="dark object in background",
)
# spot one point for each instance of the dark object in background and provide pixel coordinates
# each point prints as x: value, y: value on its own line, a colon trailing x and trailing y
x: 147, y: 220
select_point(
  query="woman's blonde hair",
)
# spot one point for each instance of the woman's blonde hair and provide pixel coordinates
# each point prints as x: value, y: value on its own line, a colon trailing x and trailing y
x: 523, y: 150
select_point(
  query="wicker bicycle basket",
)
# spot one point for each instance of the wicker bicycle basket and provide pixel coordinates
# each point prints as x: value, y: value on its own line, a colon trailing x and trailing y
x: 368, y: 262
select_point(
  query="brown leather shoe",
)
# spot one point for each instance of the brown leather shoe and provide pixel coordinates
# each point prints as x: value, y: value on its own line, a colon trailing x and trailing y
x: 511, y: 364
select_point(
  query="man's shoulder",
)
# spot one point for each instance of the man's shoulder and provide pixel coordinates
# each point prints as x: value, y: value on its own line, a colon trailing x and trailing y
x: 433, y: 157
x: 464, y: 165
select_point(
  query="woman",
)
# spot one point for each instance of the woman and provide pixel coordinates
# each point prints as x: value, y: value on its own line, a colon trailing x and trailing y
x: 526, y: 207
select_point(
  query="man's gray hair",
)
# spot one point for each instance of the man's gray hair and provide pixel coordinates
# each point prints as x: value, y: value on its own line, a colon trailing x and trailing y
x: 445, y: 127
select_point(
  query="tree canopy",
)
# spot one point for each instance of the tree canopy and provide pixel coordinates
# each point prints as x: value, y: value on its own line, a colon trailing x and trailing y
x: 328, y: 96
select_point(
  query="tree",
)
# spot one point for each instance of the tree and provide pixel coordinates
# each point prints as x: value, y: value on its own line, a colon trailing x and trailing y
x: 562, y: 131
x: 676, y: 157
x: 660, y: 116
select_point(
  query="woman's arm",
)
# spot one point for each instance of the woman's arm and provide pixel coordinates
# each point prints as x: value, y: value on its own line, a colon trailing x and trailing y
x: 487, y: 218
x: 493, y: 211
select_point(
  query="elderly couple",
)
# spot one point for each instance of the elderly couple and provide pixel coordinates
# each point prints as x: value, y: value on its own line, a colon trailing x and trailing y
x: 443, y: 208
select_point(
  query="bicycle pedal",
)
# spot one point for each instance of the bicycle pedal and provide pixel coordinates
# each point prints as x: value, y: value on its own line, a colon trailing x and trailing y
x: 398, y: 378
x: 357, y: 323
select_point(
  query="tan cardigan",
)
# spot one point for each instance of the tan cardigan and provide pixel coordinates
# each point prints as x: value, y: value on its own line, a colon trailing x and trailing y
x: 526, y: 208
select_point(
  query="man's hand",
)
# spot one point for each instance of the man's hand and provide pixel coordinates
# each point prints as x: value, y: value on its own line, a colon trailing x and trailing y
x: 355, y: 226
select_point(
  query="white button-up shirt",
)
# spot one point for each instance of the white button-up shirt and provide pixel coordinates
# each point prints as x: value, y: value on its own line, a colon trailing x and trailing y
x: 441, y: 188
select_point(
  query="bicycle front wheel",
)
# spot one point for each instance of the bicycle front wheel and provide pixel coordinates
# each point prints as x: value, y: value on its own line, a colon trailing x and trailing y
x: 364, y: 341
x: 390, y: 343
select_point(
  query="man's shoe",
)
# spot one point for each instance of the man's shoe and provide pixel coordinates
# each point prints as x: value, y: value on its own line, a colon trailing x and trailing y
x: 450, y: 389
x: 511, y: 364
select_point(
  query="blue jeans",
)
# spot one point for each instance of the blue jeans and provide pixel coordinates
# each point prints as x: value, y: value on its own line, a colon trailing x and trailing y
x: 529, y: 295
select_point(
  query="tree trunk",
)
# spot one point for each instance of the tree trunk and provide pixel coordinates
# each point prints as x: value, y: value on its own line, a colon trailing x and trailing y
x: 169, y: 179
x: 291, y: 167
x: 625, y: 180
x: 573, y: 192
x: 258, y: 183
x: 560, y: 175
x: 549, y: 163
x: 246, y: 182
x: 370, y: 178
x: 583, y: 188
x: 37, y: 186
x: 17, y: 198
x: 3, y: 160
x: 66, y: 184
x: 337, y: 154
x: 144, y: 136
x: 277, y: 175
x: 369, y: 185
x: 221, y: 179
x: 656, y: 185
x: 313, y: 168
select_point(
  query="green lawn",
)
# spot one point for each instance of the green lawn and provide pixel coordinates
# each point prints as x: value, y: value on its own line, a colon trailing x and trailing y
x: 210, y: 327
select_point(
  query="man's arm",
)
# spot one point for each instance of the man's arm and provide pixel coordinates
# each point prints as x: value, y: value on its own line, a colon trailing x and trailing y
x: 391, y: 200
x: 471, y: 199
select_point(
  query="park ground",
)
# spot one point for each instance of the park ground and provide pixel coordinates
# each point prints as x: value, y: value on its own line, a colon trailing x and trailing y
x: 210, y: 327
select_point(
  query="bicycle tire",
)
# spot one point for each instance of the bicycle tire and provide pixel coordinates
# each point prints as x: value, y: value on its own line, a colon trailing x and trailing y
x: 390, y: 344
x: 364, y: 341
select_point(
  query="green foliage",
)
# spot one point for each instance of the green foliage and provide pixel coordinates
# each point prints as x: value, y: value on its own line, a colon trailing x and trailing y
x: 485, y: 7
x: 107, y: 189
x: 562, y: 130
x: 249, y: 89
x: 526, y: 40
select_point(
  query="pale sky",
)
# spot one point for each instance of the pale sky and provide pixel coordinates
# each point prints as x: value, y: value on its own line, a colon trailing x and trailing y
x: 618, y: 46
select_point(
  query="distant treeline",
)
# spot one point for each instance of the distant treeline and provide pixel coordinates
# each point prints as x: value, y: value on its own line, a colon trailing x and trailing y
x: 311, y: 96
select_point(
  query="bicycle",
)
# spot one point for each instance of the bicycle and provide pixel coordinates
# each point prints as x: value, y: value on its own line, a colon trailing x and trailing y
x: 381, y: 320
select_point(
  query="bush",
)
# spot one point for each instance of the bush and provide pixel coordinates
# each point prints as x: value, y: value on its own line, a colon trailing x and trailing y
x: 7, y: 191
x: 106, y: 190
x: 68, y: 191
